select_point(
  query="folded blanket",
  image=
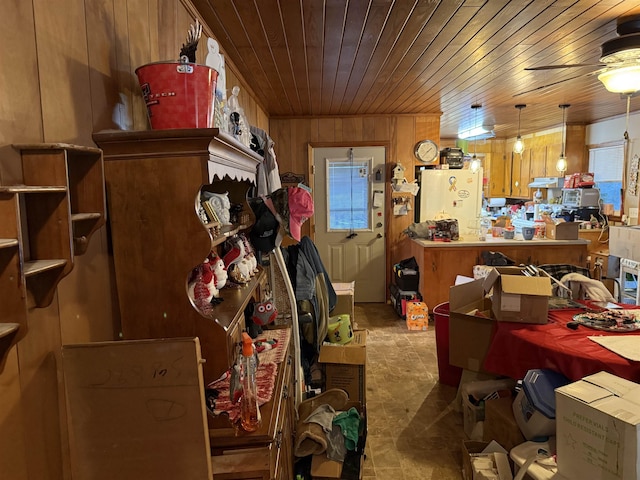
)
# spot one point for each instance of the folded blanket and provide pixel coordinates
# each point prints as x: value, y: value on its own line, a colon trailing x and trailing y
x: 587, y: 288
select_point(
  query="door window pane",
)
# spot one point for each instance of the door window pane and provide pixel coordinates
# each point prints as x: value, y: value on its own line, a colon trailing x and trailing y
x: 348, y: 195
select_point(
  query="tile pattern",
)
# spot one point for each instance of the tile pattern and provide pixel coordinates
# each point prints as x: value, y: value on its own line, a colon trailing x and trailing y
x: 414, y: 428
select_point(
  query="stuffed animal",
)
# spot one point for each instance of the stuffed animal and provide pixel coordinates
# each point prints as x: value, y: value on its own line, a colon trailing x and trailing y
x: 202, y: 288
x: 249, y: 254
x: 237, y: 266
x: 219, y: 270
x: 264, y: 313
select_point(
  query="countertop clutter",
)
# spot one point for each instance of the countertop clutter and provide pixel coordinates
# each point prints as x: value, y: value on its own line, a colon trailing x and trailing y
x: 491, y: 242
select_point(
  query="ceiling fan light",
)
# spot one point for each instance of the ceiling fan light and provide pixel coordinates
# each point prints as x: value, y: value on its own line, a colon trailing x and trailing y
x: 518, y: 147
x: 621, y: 80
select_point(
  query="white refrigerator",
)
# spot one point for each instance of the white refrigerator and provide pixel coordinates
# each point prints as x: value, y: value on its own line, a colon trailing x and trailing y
x: 453, y: 193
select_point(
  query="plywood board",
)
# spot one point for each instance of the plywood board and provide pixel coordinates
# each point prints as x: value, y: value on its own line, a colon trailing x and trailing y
x: 136, y: 410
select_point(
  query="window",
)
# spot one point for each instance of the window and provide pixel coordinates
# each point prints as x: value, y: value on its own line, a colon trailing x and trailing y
x: 348, y: 195
x: 606, y: 164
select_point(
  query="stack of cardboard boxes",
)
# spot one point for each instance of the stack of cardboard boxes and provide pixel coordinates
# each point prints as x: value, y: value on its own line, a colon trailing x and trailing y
x: 596, y: 424
x: 344, y: 367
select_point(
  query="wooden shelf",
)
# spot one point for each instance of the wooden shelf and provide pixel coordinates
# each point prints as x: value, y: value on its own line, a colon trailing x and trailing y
x: 8, y: 334
x: 8, y: 242
x: 82, y: 217
x: 35, y: 267
x: 46, y: 221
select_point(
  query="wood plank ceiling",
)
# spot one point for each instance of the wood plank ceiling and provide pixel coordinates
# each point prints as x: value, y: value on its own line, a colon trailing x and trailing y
x: 365, y: 57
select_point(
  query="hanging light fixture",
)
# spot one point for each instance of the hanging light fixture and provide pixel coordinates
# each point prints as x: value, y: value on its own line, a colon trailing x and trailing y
x: 518, y: 147
x: 561, y: 164
x: 624, y: 80
x: 475, y: 163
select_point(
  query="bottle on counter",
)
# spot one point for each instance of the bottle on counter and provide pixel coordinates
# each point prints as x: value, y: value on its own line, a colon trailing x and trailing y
x: 540, y: 227
x: 249, y: 410
x: 484, y: 228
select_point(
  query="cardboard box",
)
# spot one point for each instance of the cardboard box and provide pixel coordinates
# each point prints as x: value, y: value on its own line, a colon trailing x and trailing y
x: 598, y: 428
x: 624, y: 242
x: 500, y: 424
x: 417, y: 316
x: 562, y: 230
x: 488, y: 450
x: 345, y: 299
x: 517, y: 298
x: 475, y: 396
x: 344, y: 366
x: 323, y: 468
x: 471, y: 326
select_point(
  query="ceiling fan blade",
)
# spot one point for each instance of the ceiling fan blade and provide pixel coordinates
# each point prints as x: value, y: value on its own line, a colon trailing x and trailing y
x: 547, y: 85
x: 571, y: 65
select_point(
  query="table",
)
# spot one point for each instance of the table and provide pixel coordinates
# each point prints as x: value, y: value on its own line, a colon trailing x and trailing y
x: 517, y: 348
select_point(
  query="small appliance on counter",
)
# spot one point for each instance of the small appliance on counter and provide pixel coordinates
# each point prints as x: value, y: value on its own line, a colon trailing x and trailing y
x: 580, y: 197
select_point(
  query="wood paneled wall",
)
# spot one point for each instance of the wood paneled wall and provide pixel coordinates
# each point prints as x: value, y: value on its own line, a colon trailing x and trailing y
x: 399, y: 134
x: 69, y: 70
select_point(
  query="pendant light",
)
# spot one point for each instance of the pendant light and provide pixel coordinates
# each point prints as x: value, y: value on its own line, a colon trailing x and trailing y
x: 561, y: 164
x: 475, y: 163
x: 518, y: 147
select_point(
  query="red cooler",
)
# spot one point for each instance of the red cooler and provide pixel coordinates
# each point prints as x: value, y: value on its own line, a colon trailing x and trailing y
x: 448, y: 374
x: 178, y: 95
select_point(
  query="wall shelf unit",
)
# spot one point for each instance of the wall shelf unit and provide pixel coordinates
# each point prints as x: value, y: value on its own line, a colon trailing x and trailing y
x: 64, y: 188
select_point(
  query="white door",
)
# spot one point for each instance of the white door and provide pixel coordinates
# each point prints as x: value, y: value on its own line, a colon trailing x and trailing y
x: 349, y: 214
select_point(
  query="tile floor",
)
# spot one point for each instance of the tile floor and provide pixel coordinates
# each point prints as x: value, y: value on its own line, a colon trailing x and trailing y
x: 414, y: 430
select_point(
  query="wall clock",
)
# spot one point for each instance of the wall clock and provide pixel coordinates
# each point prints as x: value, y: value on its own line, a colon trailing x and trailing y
x: 427, y: 151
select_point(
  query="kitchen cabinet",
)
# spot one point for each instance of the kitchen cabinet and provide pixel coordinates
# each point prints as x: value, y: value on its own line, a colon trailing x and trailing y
x: 440, y: 263
x: 509, y: 176
x: 499, y: 176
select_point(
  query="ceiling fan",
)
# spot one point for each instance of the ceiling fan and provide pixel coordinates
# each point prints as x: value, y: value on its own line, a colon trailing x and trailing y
x: 619, y: 67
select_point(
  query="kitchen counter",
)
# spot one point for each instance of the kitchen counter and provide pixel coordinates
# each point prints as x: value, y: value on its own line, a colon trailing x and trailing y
x: 492, y: 242
x: 440, y: 263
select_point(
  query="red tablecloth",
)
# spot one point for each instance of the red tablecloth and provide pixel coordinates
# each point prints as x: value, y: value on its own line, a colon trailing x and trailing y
x: 517, y: 348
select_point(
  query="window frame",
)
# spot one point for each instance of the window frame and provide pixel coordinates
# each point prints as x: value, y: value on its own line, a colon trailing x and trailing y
x: 623, y: 145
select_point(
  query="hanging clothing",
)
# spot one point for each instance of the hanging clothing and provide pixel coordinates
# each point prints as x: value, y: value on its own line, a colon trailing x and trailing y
x: 268, y: 175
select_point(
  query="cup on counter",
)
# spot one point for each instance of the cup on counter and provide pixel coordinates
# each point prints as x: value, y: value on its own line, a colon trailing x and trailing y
x: 508, y: 234
x: 496, y: 231
x: 528, y: 232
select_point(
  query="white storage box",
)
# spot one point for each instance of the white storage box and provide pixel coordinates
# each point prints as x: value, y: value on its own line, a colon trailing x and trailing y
x: 473, y: 415
x: 598, y: 428
x: 535, y: 405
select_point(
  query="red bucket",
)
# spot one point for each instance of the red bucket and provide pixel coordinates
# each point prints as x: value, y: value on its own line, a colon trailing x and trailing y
x: 447, y: 373
x: 178, y: 95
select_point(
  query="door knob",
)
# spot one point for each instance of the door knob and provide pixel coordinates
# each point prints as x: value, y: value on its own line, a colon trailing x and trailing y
x: 379, y: 235
x: 379, y: 225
